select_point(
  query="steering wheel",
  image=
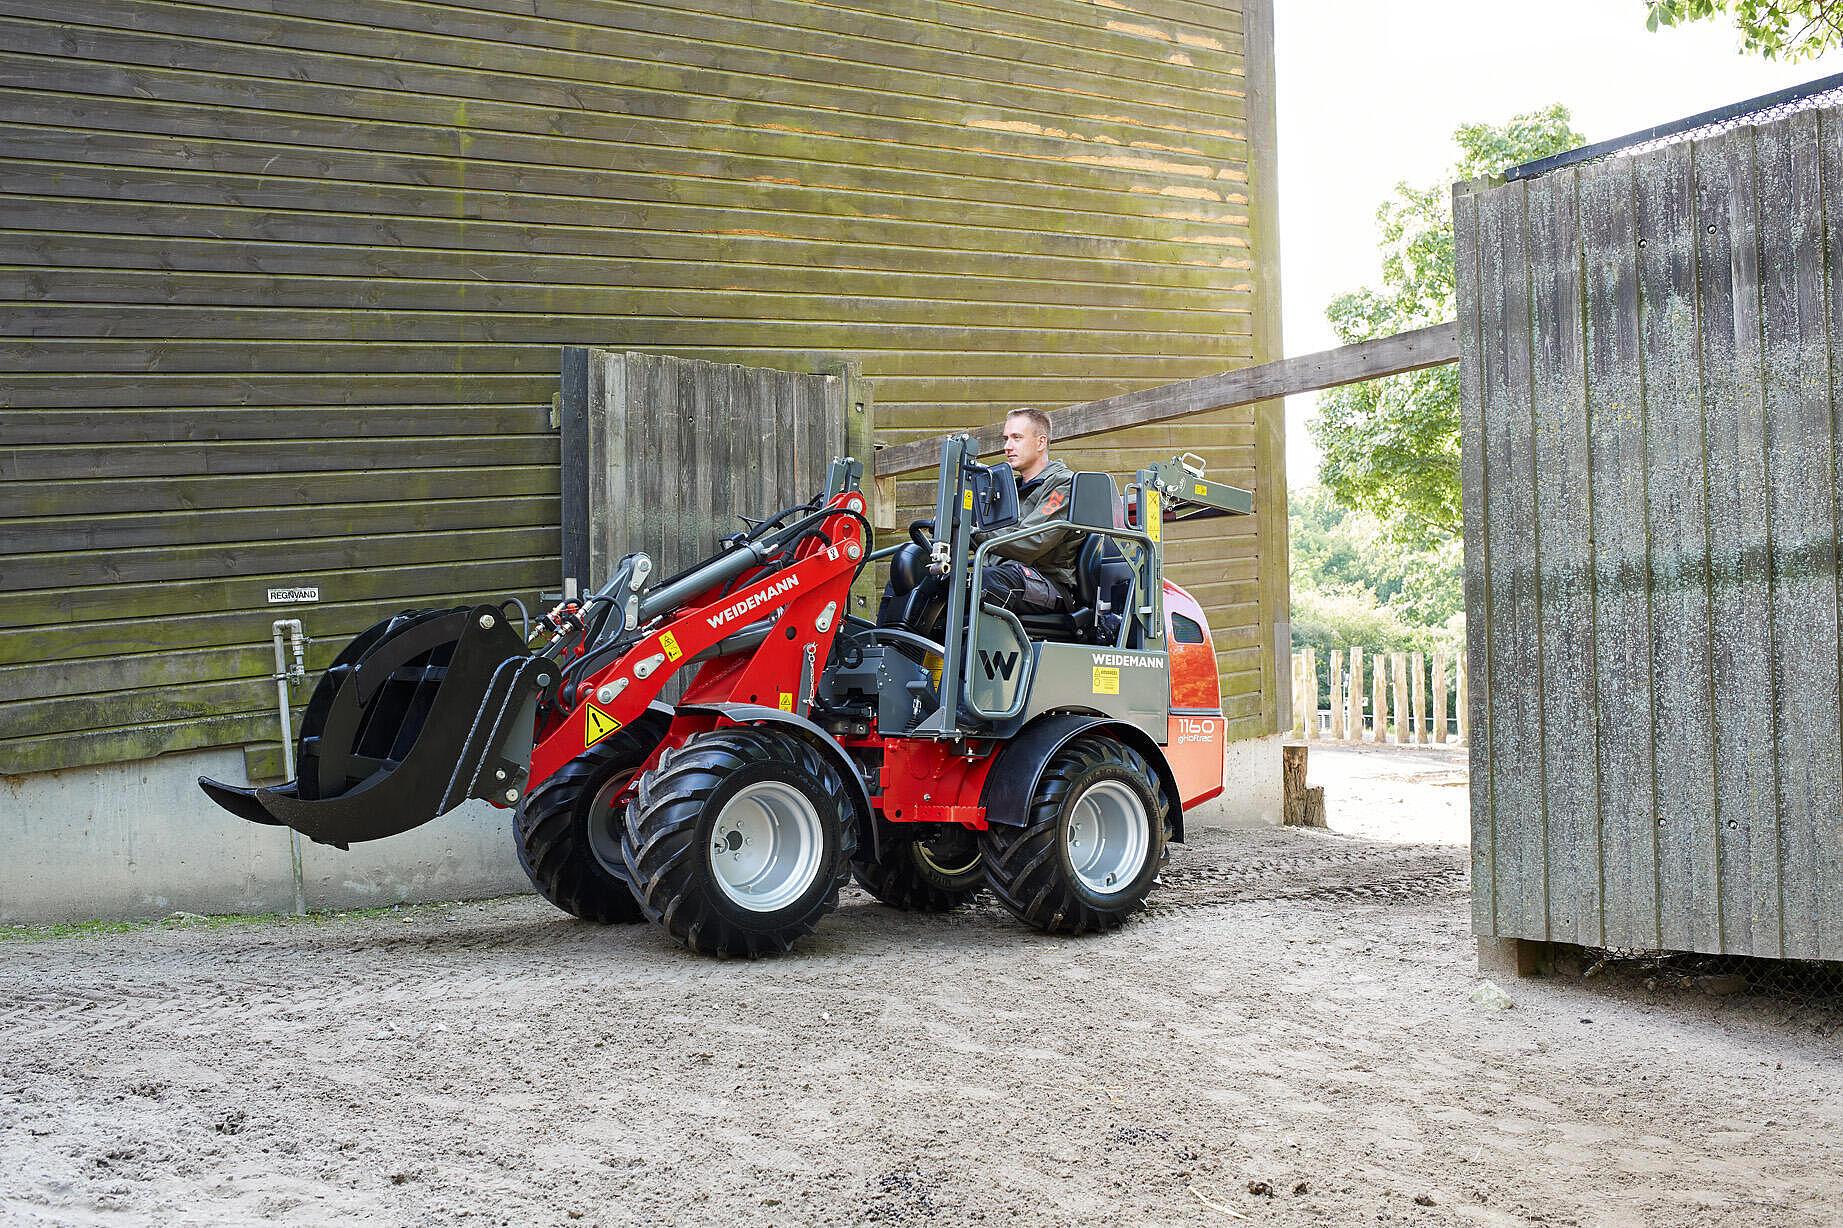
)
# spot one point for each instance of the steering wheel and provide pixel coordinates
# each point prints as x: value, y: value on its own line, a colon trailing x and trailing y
x: 926, y: 542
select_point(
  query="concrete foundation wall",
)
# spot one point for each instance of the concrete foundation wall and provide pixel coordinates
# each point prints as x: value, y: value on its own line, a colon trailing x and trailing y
x: 140, y: 840
x: 1252, y: 795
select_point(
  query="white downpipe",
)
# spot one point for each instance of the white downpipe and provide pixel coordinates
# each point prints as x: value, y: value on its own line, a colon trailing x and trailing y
x: 285, y: 674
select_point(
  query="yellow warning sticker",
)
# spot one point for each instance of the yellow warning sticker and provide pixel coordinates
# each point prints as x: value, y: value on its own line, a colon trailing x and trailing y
x: 1154, y: 518
x: 669, y: 642
x: 1202, y: 489
x: 1106, y: 680
x: 787, y: 701
x: 966, y: 500
x: 597, y: 725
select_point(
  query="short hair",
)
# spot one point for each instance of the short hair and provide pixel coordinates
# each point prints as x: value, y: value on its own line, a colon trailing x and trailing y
x: 1036, y: 417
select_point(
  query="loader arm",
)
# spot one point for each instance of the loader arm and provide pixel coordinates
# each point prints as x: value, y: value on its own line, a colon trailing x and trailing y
x: 762, y: 640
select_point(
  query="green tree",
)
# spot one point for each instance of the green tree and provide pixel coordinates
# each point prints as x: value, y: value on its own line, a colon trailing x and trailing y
x: 1391, y: 446
x: 1414, y: 591
x: 1775, y: 29
x: 1355, y: 584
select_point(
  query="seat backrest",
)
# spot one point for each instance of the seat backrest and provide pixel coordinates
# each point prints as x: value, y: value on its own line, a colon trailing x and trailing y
x: 907, y: 566
x: 1103, y: 580
x: 1092, y: 500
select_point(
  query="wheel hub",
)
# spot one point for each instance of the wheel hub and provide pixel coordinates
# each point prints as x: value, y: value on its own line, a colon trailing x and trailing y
x: 604, y: 824
x: 1108, y: 837
x: 766, y: 846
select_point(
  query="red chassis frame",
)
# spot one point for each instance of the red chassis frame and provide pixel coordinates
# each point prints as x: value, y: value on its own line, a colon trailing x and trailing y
x: 814, y: 591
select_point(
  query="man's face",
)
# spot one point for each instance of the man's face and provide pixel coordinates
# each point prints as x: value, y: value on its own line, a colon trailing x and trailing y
x: 1024, y: 444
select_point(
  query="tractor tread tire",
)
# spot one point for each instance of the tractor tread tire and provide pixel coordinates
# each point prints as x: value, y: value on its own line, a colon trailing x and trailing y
x: 898, y: 882
x: 1026, y: 867
x: 664, y: 846
x: 551, y: 833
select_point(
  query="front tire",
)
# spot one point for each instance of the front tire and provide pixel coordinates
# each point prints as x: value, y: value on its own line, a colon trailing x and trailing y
x: 929, y: 872
x: 1091, y: 846
x: 568, y: 831
x: 738, y: 842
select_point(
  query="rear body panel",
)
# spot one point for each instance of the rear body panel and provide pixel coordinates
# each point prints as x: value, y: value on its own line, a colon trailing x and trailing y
x: 1195, y: 732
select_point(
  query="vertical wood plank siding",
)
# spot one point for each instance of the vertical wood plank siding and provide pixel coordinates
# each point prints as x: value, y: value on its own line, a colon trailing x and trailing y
x: 1650, y: 383
x: 285, y: 287
x: 656, y: 446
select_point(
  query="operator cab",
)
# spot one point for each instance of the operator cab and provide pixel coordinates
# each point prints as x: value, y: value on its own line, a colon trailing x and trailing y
x: 915, y: 599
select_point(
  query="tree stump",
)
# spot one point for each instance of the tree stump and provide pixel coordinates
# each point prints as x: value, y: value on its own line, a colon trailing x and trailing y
x: 1293, y: 791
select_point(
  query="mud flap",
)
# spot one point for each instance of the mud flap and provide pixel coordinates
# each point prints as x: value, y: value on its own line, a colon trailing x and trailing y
x: 418, y: 714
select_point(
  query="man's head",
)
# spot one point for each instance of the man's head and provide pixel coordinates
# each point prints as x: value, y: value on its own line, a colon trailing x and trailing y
x: 1027, y: 442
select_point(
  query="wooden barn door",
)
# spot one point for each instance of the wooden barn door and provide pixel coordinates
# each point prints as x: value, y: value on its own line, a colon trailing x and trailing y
x: 664, y: 454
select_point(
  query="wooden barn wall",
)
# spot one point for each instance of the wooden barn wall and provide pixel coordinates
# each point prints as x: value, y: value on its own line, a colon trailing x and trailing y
x: 286, y: 286
x: 1650, y: 377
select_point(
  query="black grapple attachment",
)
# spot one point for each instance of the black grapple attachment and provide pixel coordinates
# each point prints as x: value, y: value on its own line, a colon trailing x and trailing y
x: 419, y: 713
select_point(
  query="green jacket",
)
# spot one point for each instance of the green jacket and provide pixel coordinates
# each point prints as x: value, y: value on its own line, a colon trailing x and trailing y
x: 1044, y: 500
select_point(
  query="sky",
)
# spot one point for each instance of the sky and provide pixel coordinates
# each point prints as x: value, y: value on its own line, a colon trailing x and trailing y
x: 1369, y: 92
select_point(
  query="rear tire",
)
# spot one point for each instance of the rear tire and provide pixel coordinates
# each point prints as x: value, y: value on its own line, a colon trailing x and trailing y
x: 739, y: 841
x: 1092, y: 845
x: 568, y: 830
x: 929, y: 872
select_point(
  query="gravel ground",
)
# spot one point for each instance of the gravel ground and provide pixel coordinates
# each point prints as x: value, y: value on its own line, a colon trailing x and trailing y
x: 1288, y: 1036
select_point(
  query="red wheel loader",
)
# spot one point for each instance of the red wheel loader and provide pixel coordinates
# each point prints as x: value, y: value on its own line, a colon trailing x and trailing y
x: 949, y: 747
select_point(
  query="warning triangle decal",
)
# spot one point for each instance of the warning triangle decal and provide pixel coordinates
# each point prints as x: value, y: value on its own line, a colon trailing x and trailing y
x: 597, y: 725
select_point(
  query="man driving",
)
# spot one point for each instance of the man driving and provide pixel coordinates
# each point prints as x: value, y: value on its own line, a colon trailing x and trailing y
x: 1035, y: 574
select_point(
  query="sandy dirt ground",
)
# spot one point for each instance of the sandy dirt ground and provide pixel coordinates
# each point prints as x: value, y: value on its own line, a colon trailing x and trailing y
x: 1287, y: 1037
x: 1397, y: 793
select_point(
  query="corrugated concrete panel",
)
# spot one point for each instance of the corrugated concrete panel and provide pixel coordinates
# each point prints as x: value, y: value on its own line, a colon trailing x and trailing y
x: 291, y: 282
x: 1649, y: 375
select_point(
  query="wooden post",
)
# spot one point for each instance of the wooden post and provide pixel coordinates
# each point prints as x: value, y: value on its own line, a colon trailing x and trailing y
x: 1311, y: 693
x: 1379, y: 700
x: 1353, y: 722
x: 1337, y: 694
x: 1402, y: 733
x: 1418, y: 680
x: 1439, y: 697
x: 1292, y: 785
x: 1314, y: 815
x: 1461, y: 700
x: 1298, y: 696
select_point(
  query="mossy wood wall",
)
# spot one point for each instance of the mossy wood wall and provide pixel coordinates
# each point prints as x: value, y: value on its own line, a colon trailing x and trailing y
x: 286, y: 286
x: 1651, y: 366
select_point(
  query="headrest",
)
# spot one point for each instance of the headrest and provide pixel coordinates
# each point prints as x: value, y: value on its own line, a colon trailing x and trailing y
x: 1091, y: 500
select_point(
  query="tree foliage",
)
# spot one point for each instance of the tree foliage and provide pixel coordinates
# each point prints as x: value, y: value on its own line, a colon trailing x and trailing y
x: 1775, y: 29
x: 1391, y: 446
x: 1353, y: 583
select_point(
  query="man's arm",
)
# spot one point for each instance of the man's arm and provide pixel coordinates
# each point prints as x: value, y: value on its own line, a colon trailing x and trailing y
x: 1048, y: 507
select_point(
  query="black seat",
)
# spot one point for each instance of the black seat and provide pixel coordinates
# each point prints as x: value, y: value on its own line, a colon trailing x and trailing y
x: 913, y: 600
x: 1103, y: 585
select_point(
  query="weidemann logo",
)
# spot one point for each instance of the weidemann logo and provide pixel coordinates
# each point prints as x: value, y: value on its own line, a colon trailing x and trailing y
x: 1120, y: 658
x: 759, y: 597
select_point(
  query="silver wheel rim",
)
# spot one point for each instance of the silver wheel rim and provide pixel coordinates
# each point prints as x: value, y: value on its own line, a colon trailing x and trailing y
x: 766, y: 846
x: 926, y: 858
x: 1109, y: 837
x: 605, y: 825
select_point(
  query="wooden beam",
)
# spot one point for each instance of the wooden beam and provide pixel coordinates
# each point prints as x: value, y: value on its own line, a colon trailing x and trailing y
x: 1348, y: 364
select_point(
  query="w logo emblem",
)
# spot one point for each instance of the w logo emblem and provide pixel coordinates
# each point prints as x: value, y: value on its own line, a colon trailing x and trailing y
x: 998, y: 665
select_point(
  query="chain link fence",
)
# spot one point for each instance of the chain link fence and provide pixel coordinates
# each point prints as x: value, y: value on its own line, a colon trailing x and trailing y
x: 1803, y: 991
x: 1824, y: 92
